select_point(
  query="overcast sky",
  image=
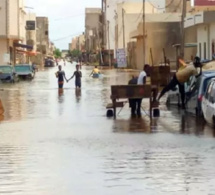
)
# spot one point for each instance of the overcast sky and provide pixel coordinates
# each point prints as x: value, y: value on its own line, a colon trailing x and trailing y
x: 66, y: 17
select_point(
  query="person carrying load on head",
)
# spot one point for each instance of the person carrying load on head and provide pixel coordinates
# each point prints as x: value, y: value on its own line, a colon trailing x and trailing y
x: 182, y: 76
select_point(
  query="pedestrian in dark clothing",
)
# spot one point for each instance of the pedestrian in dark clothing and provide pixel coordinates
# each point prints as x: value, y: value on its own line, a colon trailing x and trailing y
x: 78, y: 75
x: 60, y: 74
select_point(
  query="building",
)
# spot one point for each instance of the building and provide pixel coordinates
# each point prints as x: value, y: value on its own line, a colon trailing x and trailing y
x: 31, y: 38
x: 74, y: 43
x: 162, y: 32
x: 123, y: 18
x: 128, y: 16
x: 42, y: 33
x: 12, y: 31
x: 81, y: 42
x: 93, y: 29
x: 204, y: 24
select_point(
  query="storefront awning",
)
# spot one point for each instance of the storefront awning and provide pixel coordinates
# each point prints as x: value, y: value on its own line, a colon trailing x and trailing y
x: 30, y: 53
x: 23, y: 46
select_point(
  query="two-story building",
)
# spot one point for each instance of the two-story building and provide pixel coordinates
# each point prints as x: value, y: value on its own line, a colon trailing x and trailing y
x: 12, y: 31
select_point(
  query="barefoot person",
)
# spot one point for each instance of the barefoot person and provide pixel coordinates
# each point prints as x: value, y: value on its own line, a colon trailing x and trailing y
x: 78, y: 75
x: 60, y: 74
x: 181, y: 77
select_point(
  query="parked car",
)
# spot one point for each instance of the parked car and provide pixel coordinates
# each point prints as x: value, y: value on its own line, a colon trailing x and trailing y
x: 25, y: 71
x: 49, y: 62
x: 7, y: 74
x: 208, y: 103
x: 194, y: 89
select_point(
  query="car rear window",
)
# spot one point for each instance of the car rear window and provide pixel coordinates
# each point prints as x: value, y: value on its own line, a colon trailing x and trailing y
x: 22, y: 68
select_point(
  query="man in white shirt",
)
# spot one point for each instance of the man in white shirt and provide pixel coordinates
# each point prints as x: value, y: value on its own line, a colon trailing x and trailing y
x: 140, y: 81
x: 142, y: 78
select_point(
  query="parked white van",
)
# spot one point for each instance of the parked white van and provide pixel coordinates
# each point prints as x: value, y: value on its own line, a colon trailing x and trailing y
x: 208, y: 103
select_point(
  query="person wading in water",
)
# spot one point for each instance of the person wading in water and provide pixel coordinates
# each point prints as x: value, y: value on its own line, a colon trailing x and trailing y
x: 78, y: 75
x: 60, y: 74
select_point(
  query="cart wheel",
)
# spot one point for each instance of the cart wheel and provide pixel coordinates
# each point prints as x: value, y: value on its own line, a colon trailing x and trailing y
x: 109, y: 113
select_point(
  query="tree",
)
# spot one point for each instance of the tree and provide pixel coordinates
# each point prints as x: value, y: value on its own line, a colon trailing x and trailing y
x: 74, y: 53
x: 57, y: 53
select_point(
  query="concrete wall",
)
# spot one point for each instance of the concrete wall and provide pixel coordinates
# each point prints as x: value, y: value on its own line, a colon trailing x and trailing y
x: 3, y: 50
x: 159, y: 35
x: 3, y: 18
x: 93, y: 28
x: 14, y: 18
x: 190, y: 37
x: 42, y: 34
x: 132, y: 10
x: 31, y: 38
x: 202, y: 34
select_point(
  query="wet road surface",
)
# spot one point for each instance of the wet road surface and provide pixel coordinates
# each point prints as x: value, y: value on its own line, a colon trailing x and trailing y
x: 53, y: 143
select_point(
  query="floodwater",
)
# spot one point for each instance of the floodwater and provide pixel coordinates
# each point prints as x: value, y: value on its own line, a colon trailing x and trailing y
x: 53, y: 143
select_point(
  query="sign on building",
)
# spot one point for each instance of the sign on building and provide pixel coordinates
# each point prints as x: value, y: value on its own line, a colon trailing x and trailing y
x: 204, y: 2
x: 6, y: 58
x: 121, y: 58
x: 30, y: 25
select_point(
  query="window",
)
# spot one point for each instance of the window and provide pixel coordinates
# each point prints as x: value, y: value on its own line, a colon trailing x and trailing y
x: 212, y: 95
x: 207, y: 95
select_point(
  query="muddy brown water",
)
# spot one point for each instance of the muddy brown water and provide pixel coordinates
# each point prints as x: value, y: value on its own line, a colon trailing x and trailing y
x: 53, y: 143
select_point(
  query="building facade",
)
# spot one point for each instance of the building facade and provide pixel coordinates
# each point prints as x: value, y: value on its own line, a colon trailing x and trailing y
x: 204, y: 23
x: 12, y: 20
x: 162, y: 32
x: 42, y: 35
x: 93, y: 29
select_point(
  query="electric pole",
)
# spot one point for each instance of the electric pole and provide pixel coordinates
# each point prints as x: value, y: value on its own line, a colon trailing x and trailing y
x: 184, y: 11
x: 144, y: 23
x: 123, y: 27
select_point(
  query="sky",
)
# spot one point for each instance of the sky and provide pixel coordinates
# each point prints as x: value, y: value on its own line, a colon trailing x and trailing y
x: 66, y: 17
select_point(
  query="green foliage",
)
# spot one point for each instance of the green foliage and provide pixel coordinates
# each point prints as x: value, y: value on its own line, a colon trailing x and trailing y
x: 57, y: 53
x: 75, y: 53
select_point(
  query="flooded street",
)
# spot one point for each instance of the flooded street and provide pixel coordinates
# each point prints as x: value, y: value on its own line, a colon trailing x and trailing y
x: 55, y: 143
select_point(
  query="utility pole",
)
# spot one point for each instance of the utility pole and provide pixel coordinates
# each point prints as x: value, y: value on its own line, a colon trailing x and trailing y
x: 144, y: 23
x: 184, y: 11
x: 108, y: 31
x: 104, y: 16
x: 123, y: 27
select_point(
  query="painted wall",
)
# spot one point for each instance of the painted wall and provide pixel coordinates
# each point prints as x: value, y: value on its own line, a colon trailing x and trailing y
x: 133, y: 14
x: 2, y: 18
x: 203, y: 44
x: 3, y: 50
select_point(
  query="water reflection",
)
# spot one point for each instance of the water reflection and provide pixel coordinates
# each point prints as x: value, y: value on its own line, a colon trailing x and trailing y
x: 52, y: 139
x: 132, y: 125
x: 78, y: 95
